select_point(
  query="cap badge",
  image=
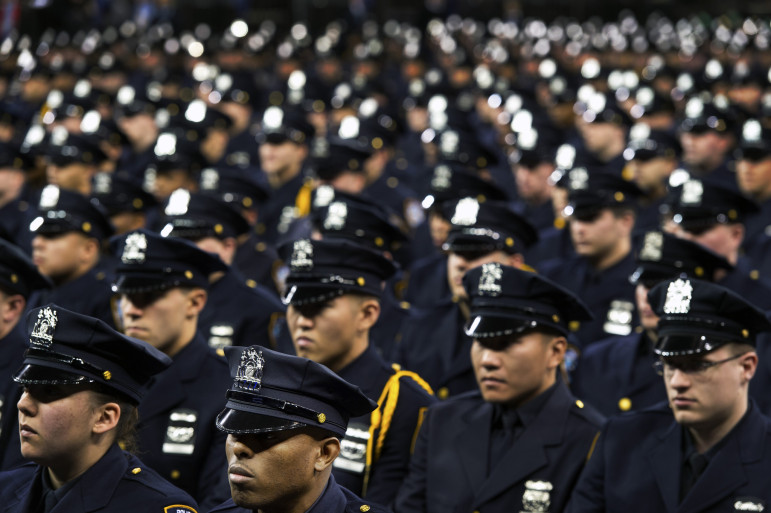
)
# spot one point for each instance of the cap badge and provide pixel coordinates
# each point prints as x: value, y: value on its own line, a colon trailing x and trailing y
x: 466, y: 212
x: 336, y: 215
x: 652, y: 247
x: 49, y: 197
x: 103, y: 183
x: 324, y: 196
x: 442, y: 178
x: 135, y: 248
x: 692, y: 192
x: 579, y: 179
x: 679, y: 294
x: 249, y: 374
x: 752, y: 131
x: 448, y: 142
x: 43, y: 332
x: 302, y: 255
x: 210, y: 179
x: 490, y: 280
x: 179, y: 201
x: 536, y: 497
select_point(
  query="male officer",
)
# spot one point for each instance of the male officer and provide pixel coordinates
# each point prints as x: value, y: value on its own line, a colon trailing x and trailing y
x: 714, y: 454
x: 127, y: 204
x: 73, y: 160
x: 69, y: 232
x: 616, y: 374
x: 162, y: 284
x: 434, y: 343
x: 334, y: 289
x: 284, y: 418
x: 521, y: 438
x: 602, y: 216
x: 706, y: 135
x: 235, y: 313
x: 82, y: 382
x: 18, y: 278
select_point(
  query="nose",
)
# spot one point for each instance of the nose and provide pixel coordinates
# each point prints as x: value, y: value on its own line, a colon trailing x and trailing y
x: 238, y: 447
x: 678, y: 379
x: 129, y: 309
x: 490, y: 359
x: 26, y: 404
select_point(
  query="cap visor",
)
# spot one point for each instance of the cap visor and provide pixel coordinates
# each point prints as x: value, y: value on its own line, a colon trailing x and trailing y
x: 299, y: 295
x: 234, y: 421
x: 488, y: 326
x: 684, y: 345
x: 31, y: 374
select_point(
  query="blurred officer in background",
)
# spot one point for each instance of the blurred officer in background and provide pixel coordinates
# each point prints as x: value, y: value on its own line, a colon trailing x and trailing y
x: 69, y: 233
x: 521, y: 438
x: 162, y: 284
x: 18, y: 278
x: 285, y: 417
x: 82, y: 382
x: 334, y: 291
x: 714, y: 454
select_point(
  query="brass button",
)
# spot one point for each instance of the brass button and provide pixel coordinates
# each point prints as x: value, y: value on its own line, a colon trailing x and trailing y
x: 579, y: 403
x: 136, y: 470
x: 625, y: 404
x: 364, y: 508
x: 175, y: 474
x: 443, y: 393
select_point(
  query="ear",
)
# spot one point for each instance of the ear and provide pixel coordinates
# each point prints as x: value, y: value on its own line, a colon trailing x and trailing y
x: 514, y: 260
x: 196, y: 301
x: 749, y: 363
x: 369, y: 313
x: 107, y: 419
x: 737, y: 233
x: 90, y: 247
x: 556, y: 348
x: 329, y: 448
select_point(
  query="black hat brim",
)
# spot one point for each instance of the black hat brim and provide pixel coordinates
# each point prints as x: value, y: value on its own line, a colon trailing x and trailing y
x: 689, y: 344
x: 49, y: 374
x: 234, y: 421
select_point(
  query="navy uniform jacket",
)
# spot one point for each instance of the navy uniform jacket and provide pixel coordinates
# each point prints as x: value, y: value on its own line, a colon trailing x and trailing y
x: 757, y: 240
x: 427, y: 284
x: 387, y: 191
x: 387, y: 331
x: 176, y: 433
x: 616, y: 375
x: 448, y: 469
x: 636, y: 466
x: 238, y: 315
x: 119, y: 482
x: 434, y: 345
x: 554, y: 247
x: 277, y: 213
x: 608, y: 294
x: 335, y: 499
x: 90, y: 294
x: 12, y: 348
x: 258, y: 262
x: 387, y: 472
x: 15, y: 218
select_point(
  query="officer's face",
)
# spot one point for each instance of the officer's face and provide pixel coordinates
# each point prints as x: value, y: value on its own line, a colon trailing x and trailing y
x: 754, y: 178
x: 330, y: 332
x: 439, y: 227
x: 162, y: 319
x: 513, y: 370
x: 648, y: 319
x: 712, y: 397
x: 458, y: 264
x: 74, y: 177
x: 62, y: 257
x: 652, y: 174
x: 705, y: 149
x: 723, y: 239
x: 600, y: 237
x: 533, y: 182
x: 55, y: 423
x: 277, y: 158
x: 274, y: 471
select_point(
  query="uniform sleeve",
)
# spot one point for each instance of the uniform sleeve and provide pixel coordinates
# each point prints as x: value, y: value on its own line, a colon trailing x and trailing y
x: 390, y: 470
x: 589, y: 493
x: 412, y: 495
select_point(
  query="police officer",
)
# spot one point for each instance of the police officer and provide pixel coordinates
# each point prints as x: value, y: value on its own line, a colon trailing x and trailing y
x: 282, y: 413
x: 434, y: 343
x: 616, y: 375
x: 713, y: 456
x: 67, y: 246
x: 334, y: 290
x: 82, y: 382
x: 602, y: 215
x: 520, y: 440
x: 162, y: 285
x: 235, y: 313
x: 126, y: 202
x: 18, y: 278
x: 73, y: 160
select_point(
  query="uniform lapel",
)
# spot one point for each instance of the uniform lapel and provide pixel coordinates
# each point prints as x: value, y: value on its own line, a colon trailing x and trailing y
x: 664, y: 458
x: 96, y: 487
x: 473, y: 445
x: 528, y: 453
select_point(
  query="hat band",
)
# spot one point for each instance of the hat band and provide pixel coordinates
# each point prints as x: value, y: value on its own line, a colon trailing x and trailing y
x: 281, y: 405
x: 72, y: 361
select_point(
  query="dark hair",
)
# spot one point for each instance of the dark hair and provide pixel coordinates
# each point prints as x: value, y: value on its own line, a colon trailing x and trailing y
x: 126, y: 430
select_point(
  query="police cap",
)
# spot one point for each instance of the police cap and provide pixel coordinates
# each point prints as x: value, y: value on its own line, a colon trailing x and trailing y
x: 273, y: 391
x: 70, y: 348
x: 755, y: 141
x: 699, y: 204
x: 65, y: 148
x: 507, y: 301
x: 698, y: 317
x: 194, y: 216
x: 63, y: 211
x: 149, y: 262
x: 591, y: 191
x: 451, y: 182
x: 281, y: 124
x: 320, y: 270
x: 484, y: 227
x: 18, y: 274
x: 238, y: 187
x: 121, y: 192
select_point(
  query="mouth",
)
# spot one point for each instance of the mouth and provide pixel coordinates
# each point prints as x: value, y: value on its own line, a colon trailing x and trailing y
x: 681, y: 402
x: 489, y: 381
x: 238, y: 475
x: 304, y: 342
x: 25, y: 431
